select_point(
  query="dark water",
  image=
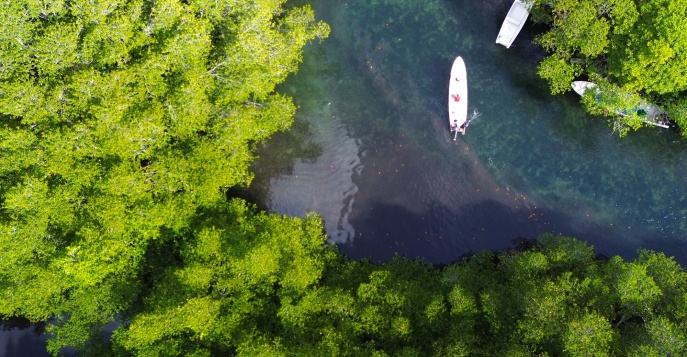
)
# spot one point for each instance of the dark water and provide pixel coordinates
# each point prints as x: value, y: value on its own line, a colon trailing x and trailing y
x: 372, y: 154
x: 20, y: 338
x: 370, y: 149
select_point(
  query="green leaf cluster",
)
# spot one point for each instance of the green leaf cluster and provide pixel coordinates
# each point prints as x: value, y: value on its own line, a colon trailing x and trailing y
x: 651, y: 57
x: 260, y: 292
x: 225, y: 292
x: 120, y: 123
x: 637, y: 46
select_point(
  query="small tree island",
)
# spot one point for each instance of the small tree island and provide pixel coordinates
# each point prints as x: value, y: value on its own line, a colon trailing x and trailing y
x: 634, y: 49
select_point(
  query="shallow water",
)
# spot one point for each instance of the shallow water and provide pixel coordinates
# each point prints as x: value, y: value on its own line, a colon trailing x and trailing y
x: 385, y: 175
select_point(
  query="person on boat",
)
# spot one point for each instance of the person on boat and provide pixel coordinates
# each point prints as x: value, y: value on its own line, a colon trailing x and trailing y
x: 456, y: 97
x: 454, y: 125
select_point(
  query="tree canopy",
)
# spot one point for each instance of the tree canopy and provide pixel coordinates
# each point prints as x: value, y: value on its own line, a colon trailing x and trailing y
x: 121, y: 121
x: 551, y: 298
x: 638, y: 46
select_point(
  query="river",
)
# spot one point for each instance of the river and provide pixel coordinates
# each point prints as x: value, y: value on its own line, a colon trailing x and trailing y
x: 371, y: 152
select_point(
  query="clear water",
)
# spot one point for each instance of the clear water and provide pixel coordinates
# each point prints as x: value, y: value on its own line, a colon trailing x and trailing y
x: 371, y: 151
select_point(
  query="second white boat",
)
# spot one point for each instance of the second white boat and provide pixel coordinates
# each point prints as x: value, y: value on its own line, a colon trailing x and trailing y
x: 515, y: 20
x: 650, y: 113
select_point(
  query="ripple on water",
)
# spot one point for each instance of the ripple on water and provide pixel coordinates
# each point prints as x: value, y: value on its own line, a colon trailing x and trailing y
x: 326, y: 185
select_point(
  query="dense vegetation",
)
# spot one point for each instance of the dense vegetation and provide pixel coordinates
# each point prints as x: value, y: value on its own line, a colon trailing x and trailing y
x: 289, y: 294
x: 632, y: 49
x: 123, y: 125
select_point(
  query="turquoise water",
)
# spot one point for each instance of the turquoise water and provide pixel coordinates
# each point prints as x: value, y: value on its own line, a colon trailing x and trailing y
x: 377, y: 162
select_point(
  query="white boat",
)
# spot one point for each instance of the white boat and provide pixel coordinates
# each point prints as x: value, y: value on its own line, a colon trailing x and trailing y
x: 654, y: 114
x: 515, y: 19
x: 458, y: 97
x: 581, y: 86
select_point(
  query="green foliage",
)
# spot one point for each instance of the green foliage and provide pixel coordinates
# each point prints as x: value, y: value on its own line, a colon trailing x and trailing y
x: 620, y: 104
x: 635, y: 47
x: 669, y: 278
x: 635, y: 291
x: 559, y: 72
x: 658, y: 337
x: 120, y: 122
x: 676, y: 106
x: 651, y: 56
x: 226, y: 291
x: 578, y: 27
x: 580, y: 33
x: 590, y: 335
x: 558, y: 299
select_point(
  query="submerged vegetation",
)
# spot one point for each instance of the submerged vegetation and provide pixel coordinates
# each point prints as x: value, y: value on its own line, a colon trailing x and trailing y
x: 124, y: 126
x: 637, y: 47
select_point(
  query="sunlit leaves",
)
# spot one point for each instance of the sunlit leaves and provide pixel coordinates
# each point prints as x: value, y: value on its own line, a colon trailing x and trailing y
x: 544, y: 309
x: 636, y: 45
x: 269, y: 50
x: 120, y: 122
x: 461, y: 303
x: 567, y: 254
x: 577, y: 27
x: 670, y: 278
x: 636, y: 291
x: 590, y: 335
x: 558, y: 299
x: 15, y: 37
x: 559, y: 72
x: 554, y: 299
x: 226, y: 291
x: 657, y: 337
x: 580, y: 33
x: 652, y: 56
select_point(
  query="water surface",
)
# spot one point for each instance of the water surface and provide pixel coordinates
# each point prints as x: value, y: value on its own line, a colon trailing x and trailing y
x: 371, y: 151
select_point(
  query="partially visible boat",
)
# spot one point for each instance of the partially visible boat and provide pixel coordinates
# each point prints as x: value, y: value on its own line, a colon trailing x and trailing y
x: 650, y: 113
x: 458, y: 97
x: 581, y: 86
x: 515, y: 20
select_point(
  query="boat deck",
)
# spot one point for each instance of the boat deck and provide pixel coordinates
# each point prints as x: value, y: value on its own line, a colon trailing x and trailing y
x: 513, y: 23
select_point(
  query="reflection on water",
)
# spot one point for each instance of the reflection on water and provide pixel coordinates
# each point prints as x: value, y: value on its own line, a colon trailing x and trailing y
x: 325, y: 185
x: 26, y: 341
x: 19, y: 337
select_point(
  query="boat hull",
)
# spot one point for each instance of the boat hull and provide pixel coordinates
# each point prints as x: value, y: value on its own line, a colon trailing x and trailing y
x: 458, y: 94
x: 581, y: 86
